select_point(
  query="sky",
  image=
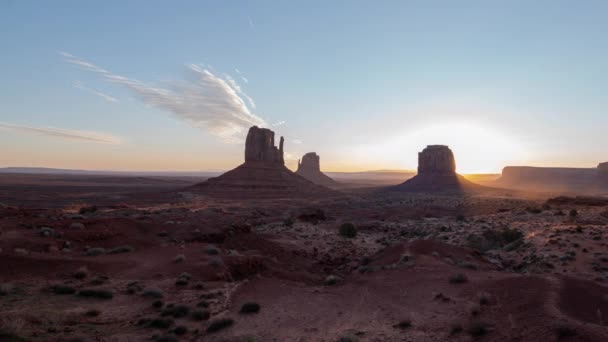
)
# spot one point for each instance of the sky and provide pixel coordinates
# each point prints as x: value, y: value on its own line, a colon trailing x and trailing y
x: 174, y: 85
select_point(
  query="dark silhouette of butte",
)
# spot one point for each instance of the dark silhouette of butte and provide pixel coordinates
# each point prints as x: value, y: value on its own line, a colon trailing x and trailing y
x: 262, y: 175
x: 602, y: 172
x: 436, y: 173
x: 310, y: 168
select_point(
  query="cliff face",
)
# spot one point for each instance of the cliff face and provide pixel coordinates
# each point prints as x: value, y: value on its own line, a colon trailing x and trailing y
x: 259, y: 147
x: 436, y: 173
x: 602, y: 169
x: 548, y: 178
x: 310, y: 168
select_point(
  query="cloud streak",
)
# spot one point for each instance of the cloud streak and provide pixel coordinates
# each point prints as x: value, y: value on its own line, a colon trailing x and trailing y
x: 96, y: 137
x: 79, y: 85
x: 205, y: 100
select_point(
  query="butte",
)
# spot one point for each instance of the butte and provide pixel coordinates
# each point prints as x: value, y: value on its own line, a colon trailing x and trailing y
x: 436, y: 173
x: 262, y: 175
x: 310, y: 168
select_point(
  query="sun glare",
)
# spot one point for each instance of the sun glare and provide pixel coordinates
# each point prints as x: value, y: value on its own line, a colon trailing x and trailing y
x: 477, y: 148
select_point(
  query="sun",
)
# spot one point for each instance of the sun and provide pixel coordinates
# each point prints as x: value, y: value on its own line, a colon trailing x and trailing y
x: 477, y: 148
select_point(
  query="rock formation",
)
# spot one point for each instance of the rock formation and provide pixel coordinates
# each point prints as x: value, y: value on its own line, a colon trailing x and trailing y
x: 436, y: 172
x: 259, y: 147
x: 602, y: 169
x: 310, y: 168
x: 263, y: 174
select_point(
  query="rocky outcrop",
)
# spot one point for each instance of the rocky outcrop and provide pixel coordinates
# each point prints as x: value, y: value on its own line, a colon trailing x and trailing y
x: 310, y: 168
x: 602, y: 169
x: 436, y: 173
x: 259, y: 147
x: 436, y: 159
x: 262, y: 175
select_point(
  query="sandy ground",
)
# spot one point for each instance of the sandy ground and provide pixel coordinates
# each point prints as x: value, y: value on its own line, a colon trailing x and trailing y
x: 493, y: 267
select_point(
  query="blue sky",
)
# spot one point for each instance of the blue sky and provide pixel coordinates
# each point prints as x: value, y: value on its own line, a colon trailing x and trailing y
x: 366, y: 84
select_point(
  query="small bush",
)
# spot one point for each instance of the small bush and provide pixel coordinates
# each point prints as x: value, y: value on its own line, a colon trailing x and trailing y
x: 87, y: 210
x: 93, y: 313
x: 152, y: 292
x: 63, y: 290
x: 95, y: 251
x: 157, y: 304
x: 404, y: 324
x: 250, y: 308
x: 81, y: 273
x: 348, y: 230
x: 179, y: 258
x: 176, y: 311
x: 219, y: 324
x: 289, y: 222
x: 565, y: 331
x: 161, y: 323
x: 179, y: 330
x: 212, y: 250
x: 96, y: 293
x: 121, y: 249
x: 200, y: 315
x: 331, y: 280
x: 573, y: 213
x: 167, y: 338
x: 458, y: 278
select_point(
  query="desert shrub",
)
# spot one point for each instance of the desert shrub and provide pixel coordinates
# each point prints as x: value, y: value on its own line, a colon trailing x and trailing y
x: 161, y: 323
x: 212, y: 250
x: 96, y: 293
x: 200, y: 315
x: 484, y: 298
x: 47, y: 231
x: 573, y: 213
x: 121, y: 249
x: 250, y: 308
x: 81, y: 273
x: 179, y: 258
x: 63, y: 289
x: 219, y: 324
x: 331, y: 280
x: 460, y: 218
x: 5, y: 289
x: 93, y: 313
x: 534, y: 210
x: 478, y: 328
x: 152, y: 292
x: 99, y: 280
x: 404, y: 324
x: 312, y: 215
x: 565, y: 331
x: 95, y: 251
x: 157, y: 304
x: 203, y: 304
x: 179, y: 330
x: 458, y: 278
x: 87, y: 210
x: 177, y: 311
x: 348, y: 230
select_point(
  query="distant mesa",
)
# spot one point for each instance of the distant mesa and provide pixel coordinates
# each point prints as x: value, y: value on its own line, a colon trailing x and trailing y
x: 436, y: 173
x: 602, y: 171
x: 310, y: 168
x: 549, y: 178
x: 263, y: 174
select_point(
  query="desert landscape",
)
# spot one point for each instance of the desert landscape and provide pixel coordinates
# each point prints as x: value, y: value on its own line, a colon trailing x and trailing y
x: 261, y: 253
x: 303, y: 171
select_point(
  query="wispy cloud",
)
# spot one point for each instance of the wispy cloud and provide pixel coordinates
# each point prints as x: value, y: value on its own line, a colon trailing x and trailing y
x: 297, y: 141
x: 205, y: 100
x: 97, y: 137
x: 80, y: 85
x: 278, y: 123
